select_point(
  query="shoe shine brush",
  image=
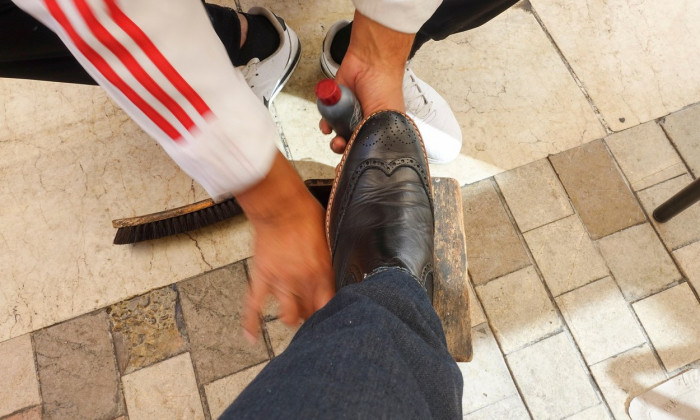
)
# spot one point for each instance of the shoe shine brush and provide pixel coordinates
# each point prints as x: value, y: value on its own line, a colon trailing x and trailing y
x: 339, y: 107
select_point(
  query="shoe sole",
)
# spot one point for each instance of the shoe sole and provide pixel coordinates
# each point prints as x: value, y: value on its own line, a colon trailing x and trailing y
x: 339, y: 168
x: 286, y: 76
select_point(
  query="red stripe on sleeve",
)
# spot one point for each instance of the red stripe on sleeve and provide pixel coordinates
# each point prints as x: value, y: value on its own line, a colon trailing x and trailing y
x: 132, y: 65
x: 142, y: 40
x: 106, y: 70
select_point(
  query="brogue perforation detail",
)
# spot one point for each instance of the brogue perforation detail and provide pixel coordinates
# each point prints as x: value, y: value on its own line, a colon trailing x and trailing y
x: 388, y: 168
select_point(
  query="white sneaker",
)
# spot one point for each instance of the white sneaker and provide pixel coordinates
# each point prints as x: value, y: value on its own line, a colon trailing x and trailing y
x: 267, y: 77
x: 432, y: 114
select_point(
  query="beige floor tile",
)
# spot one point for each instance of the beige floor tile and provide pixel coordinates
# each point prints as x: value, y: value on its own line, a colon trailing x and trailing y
x: 600, y: 320
x: 511, y: 408
x: 166, y: 390
x: 690, y: 263
x: 21, y: 387
x: 518, y: 309
x: 672, y: 321
x: 486, y: 378
x: 280, y: 335
x: 645, y: 155
x: 594, y: 413
x: 534, y: 195
x: 552, y: 379
x: 683, y: 128
x: 476, y: 312
x: 514, y: 98
x: 682, y: 229
x: 638, y: 261
x: 212, y: 306
x: 493, y: 245
x: 221, y: 393
x: 72, y: 163
x: 565, y: 255
x: 33, y: 413
x: 631, y: 57
x: 597, y: 189
x: 626, y: 375
x: 77, y: 369
x: 145, y: 329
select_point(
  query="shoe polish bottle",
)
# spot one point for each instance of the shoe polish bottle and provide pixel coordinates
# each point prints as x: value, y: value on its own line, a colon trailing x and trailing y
x: 339, y: 107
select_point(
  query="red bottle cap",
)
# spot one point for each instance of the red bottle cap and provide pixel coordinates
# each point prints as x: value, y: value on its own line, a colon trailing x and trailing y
x: 328, y: 92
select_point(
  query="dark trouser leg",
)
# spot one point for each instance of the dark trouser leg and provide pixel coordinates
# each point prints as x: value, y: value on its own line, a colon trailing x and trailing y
x: 29, y: 50
x: 452, y: 17
x: 377, y: 350
x: 455, y: 16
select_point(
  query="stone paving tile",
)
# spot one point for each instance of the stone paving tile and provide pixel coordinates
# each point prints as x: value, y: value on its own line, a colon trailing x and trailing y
x: 493, y: 245
x: 672, y: 321
x: 221, y: 393
x: 77, y: 369
x: 511, y: 408
x: 212, y: 306
x: 565, y: 255
x: 166, y: 390
x: 682, y: 229
x: 476, y: 312
x: 552, y: 379
x: 638, y: 261
x: 630, y: 56
x: 145, y: 329
x: 597, y: 189
x: 690, y: 263
x: 645, y: 155
x: 625, y: 376
x: 600, y: 320
x: 33, y: 413
x: 486, y: 378
x: 684, y: 129
x: 534, y: 195
x: 280, y: 335
x: 20, y: 387
x: 594, y: 413
x: 519, y: 309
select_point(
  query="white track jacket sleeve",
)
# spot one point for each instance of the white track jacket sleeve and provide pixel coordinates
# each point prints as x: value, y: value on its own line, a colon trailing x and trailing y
x: 400, y: 15
x: 162, y: 62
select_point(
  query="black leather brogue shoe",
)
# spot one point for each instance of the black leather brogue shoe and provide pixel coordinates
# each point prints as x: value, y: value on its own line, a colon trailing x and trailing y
x: 380, y: 213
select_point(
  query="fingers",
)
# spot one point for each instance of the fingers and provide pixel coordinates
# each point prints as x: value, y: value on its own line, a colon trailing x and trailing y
x: 325, y: 127
x: 338, y: 145
x: 253, y: 308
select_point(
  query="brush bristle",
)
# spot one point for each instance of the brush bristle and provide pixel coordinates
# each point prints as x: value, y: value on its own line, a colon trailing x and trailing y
x: 179, y: 224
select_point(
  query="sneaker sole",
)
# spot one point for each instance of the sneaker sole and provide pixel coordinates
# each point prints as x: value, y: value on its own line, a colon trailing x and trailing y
x: 286, y: 76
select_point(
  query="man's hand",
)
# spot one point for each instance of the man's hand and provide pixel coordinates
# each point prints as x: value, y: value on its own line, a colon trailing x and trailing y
x: 373, y: 68
x: 292, y: 259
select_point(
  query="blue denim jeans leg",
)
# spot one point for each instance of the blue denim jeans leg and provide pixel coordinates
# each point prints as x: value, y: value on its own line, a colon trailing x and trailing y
x: 375, y: 351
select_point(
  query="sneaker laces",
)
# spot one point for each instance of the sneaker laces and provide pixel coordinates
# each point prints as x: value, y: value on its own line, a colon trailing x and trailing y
x: 416, y: 101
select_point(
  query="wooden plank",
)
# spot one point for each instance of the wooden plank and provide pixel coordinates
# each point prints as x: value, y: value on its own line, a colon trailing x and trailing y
x: 450, y: 282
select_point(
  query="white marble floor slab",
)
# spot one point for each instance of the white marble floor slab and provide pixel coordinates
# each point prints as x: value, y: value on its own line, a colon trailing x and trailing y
x: 73, y: 162
x: 637, y: 59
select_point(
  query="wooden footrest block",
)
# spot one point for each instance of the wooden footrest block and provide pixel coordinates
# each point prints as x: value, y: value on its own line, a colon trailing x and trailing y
x: 451, y: 287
